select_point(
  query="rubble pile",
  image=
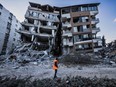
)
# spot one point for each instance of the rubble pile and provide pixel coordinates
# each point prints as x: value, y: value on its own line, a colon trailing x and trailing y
x: 108, y: 53
x: 81, y: 58
x: 58, y: 82
x: 24, y: 54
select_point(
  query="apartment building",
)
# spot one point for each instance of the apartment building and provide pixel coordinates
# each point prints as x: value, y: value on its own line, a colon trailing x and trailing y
x: 79, y: 27
x: 9, y: 38
x: 40, y: 26
x: 70, y: 28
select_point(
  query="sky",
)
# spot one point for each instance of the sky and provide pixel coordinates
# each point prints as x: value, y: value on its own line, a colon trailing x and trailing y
x: 107, y: 12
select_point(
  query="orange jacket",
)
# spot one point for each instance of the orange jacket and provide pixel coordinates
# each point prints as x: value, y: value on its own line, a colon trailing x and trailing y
x: 55, y: 67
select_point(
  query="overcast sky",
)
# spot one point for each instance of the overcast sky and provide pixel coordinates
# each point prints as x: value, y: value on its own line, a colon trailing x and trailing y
x: 107, y: 12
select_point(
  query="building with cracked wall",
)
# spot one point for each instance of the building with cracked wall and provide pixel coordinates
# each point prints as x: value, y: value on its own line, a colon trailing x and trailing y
x: 9, y: 38
x: 69, y: 28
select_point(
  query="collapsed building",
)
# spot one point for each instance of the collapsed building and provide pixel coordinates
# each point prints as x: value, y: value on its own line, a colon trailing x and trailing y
x: 64, y: 29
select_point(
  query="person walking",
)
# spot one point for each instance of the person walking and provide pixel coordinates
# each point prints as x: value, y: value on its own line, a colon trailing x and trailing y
x: 55, y: 67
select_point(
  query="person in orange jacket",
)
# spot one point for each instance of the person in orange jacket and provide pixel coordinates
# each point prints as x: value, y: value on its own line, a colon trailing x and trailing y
x: 55, y: 67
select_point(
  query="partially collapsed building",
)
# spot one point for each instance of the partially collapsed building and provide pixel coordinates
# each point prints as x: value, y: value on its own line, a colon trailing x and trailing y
x: 40, y: 26
x: 66, y: 29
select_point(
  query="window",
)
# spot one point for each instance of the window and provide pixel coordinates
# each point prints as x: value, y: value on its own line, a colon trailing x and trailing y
x: 0, y: 13
x: 8, y: 25
x: 10, y: 17
x: 76, y: 38
x: 13, y: 39
x: 17, y: 21
x: 75, y: 29
x: 84, y: 27
x: 75, y: 9
x: 85, y: 36
x: 34, y: 14
x: 64, y: 41
x: 14, y: 34
x: 67, y: 10
x: 1, y: 6
x: 76, y: 19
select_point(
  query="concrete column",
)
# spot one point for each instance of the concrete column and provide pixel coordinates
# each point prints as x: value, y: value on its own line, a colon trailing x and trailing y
x: 53, y: 33
x: 32, y: 38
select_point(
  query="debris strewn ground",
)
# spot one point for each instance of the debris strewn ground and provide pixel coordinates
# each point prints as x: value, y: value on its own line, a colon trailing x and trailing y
x: 25, y: 62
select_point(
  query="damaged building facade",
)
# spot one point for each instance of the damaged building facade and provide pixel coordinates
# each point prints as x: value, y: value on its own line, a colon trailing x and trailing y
x: 9, y: 38
x: 40, y: 26
x: 70, y: 28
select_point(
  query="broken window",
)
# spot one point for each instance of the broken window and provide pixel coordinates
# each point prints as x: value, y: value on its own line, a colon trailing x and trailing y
x: 75, y: 19
x: 31, y: 21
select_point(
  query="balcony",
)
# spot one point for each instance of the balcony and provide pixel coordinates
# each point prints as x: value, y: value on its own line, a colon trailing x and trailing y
x: 95, y: 21
x: 32, y: 8
x: 24, y: 32
x: 96, y: 49
x: 43, y: 35
x: 66, y: 15
x: 67, y: 34
x: 43, y: 16
x: 95, y: 30
x: 93, y: 12
x: 86, y: 30
x: 68, y: 44
x: 66, y: 24
x: 27, y: 24
x: 83, y: 42
x: 97, y: 39
x: 49, y: 27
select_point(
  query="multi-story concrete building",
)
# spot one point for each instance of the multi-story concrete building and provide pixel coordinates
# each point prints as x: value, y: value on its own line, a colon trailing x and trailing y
x: 79, y: 26
x: 67, y: 28
x: 40, y: 26
x: 8, y: 24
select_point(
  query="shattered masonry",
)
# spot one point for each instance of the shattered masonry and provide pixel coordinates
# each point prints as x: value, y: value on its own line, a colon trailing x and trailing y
x: 64, y: 28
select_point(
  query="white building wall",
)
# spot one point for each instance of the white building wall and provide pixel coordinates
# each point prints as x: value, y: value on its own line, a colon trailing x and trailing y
x: 3, y: 25
x: 14, y: 37
x: 4, y: 19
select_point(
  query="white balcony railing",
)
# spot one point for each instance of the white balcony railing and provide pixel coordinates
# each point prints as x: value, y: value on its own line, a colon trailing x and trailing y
x: 66, y: 24
x: 95, y: 21
x: 66, y: 15
x: 67, y: 34
x: 93, y: 12
x: 49, y: 27
x: 86, y: 30
x: 68, y: 43
x: 95, y: 30
x: 97, y: 39
x: 82, y: 42
x: 97, y: 49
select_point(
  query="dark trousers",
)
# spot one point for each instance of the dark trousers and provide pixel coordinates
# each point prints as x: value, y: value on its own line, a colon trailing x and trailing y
x: 55, y: 73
